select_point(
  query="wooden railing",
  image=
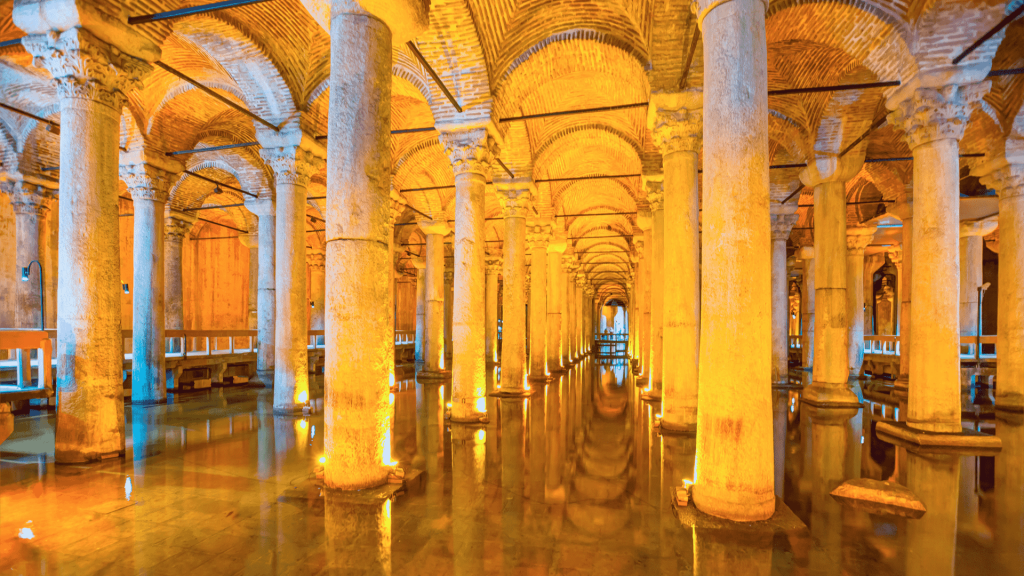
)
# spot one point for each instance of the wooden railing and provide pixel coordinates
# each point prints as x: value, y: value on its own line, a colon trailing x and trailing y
x: 890, y: 346
x: 23, y: 342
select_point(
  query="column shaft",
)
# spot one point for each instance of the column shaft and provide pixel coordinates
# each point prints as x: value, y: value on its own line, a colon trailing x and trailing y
x: 513, y: 319
x: 421, y: 311
x: 971, y: 253
x: 433, y: 334
x: 556, y: 299
x: 568, y: 309
x: 317, y: 288
x: 1010, y: 321
x: 780, y: 313
x: 148, y: 364
x: 647, y: 264
x: 657, y: 277
x: 491, y: 311
x: 857, y: 241
x: 538, y: 302
x: 266, y: 303
x: 807, y: 321
x: 27, y: 219
x: 252, y: 308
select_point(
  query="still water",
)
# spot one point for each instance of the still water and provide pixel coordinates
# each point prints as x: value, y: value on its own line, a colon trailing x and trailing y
x: 575, y: 479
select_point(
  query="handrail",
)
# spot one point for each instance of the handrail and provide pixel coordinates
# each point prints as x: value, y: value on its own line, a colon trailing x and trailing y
x: 23, y: 341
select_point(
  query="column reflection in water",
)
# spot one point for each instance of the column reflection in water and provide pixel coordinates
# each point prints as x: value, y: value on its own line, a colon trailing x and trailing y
x: 834, y: 460
x: 358, y: 529
x: 513, y: 460
x: 468, y: 454
x: 554, y: 487
x: 931, y: 540
x: 1009, y: 493
x: 429, y: 443
x: 679, y: 456
x: 780, y: 410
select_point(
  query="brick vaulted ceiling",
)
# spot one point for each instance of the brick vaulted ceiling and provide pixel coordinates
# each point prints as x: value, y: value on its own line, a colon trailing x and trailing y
x: 504, y: 58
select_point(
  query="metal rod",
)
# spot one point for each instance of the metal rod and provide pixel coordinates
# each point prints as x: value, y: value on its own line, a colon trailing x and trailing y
x: 212, y: 148
x: 568, y: 112
x: 222, y: 99
x: 836, y: 88
x: 221, y: 184
x: 412, y: 130
x: 778, y: 166
x: 863, y: 136
x: 212, y: 207
x: 50, y: 168
x: 602, y: 177
x: 10, y: 43
x: 1002, y: 24
x: 182, y: 12
x: 54, y: 125
x: 223, y: 225
x: 437, y: 80
x: 795, y: 192
x: 216, y: 238
x: 426, y: 188
x: 853, y: 203
x: 597, y: 214
x: 1007, y: 72
x: 689, y: 57
x: 595, y: 237
x: 505, y: 168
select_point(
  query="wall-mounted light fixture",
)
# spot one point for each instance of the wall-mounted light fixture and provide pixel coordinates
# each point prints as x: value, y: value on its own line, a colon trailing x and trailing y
x: 25, y: 271
x: 124, y: 286
x: 312, y: 304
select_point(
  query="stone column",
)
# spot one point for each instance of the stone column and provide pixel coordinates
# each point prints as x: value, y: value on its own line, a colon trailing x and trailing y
x: 421, y: 305
x: 972, y: 248
x: 933, y: 108
x: 631, y: 318
x: 492, y: 268
x: 537, y: 235
x: 556, y: 303
x: 449, y: 305
x: 148, y: 180
x: 471, y: 152
x: 30, y: 204
x: 588, y: 343
x: 90, y: 77
x: 176, y: 226
x: 359, y: 334
x: 567, y: 281
x: 735, y: 471
x: 676, y: 124
x: 434, y: 294
x: 516, y: 198
x: 294, y: 157
x: 655, y: 198
x: 266, y: 298
x: 581, y: 313
x: 645, y: 221
x: 831, y: 368
x: 857, y: 239
x: 252, y: 242
x: 316, y: 261
x: 903, y: 258
x: 806, y: 254
x: 783, y: 220
x: 1006, y: 175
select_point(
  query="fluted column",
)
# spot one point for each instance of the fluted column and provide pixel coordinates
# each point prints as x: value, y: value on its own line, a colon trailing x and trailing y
x: 656, y: 200
x: 434, y: 295
x: 556, y: 303
x: 515, y: 198
x: 806, y: 254
x: 421, y: 305
x: 359, y: 333
x: 294, y: 158
x: 266, y: 297
x: 568, y: 287
x: 735, y: 472
x: 176, y: 226
x: 537, y: 236
x: 30, y: 205
x: 148, y: 178
x: 316, y: 260
x: 90, y: 76
x: 1005, y: 174
x: 252, y: 242
x: 471, y: 152
x: 676, y: 123
x: 782, y: 226
x: 857, y: 240
x: 492, y: 269
x: 933, y: 109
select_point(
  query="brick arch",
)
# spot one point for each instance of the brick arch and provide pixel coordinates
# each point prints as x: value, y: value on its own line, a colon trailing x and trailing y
x: 939, y: 27
x: 191, y: 192
x: 789, y: 135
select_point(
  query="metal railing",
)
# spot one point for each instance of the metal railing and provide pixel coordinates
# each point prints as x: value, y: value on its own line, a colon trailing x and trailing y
x: 890, y: 346
x: 23, y: 342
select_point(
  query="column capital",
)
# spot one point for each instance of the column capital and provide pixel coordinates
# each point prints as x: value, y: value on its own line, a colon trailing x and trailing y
x: 557, y: 243
x: 472, y: 151
x: 418, y: 262
x: 147, y: 176
x: 936, y: 104
x: 27, y: 198
x: 493, y: 265
x: 177, y: 224
x: 805, y: 253
x: 316, y: 259
x: 655, y: 186
x: 569, y: 263
x: 250, y: 240
x: 896, y: 255
x: 992, y: 241
x: 431, y: 227
x: 831, y: 168
x: 449, y: 275
x: 859, y: 237
x: 538, y: 234
x: 516, y: 197
x: 979, y: 227
x: 1003, y: 170
x: 782, y: 225
x: 676, y: 120
x: 292, y: 164
x: 86, y: 67
x: 644, y: 221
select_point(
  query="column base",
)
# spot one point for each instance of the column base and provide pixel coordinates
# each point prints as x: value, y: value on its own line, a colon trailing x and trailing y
x: 558, y: 370
x: 1009, y: 402
x: 830, y: 396
x: 264, y: 378
x: 540, y: 378
x: 481, y: 419
x: 522, y: 393
x: 430, y: 375
x: 673, y: 429
x: 79, y: 457
x: 651, y: 396
x: 786, y: 385
x: 288, y: 409
x: 965, y: 442
x: 142, y: 403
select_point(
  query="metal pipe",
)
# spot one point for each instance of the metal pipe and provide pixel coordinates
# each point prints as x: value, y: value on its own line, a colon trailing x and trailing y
x: 689, y: 58
x: 437, y: 80
x: 599, y: 177
x: 54, y: 127
x: 505, y: 168
x: 10, y: 43
x: 863, y: 136
x: 1002, y: 24
x: 212, y: 207
x: 228, y: 186
x: 189, y: 11
x: 836, y: 88
x: 223, y: 225
x: 212, y: 148
x: 210, y: 92
x: 569, y: 112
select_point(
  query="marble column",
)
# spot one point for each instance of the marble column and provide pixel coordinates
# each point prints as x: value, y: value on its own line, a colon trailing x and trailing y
x: 806, y: 254
x: 30, y: 205
x: 556, y: 303
x: 515, y: 198
x: 676, y: 123
x: 421, y: 305
x: 735, y: 472
x: 294, y: 157
x: 176, y: 226
x: 581, y: 313
x: 1006, y: 175
x: 449, y: 305
x: 857, y: 240
x: 359, y: 333
x: 831, y: 367
x: 266, y: 297
x: 252, y: 242
x: 645, y: 221
x: 316, y: 260
x: 492, y: 269
x: 972, y: 248
x: 903, y: 257
x: 538, y: 234
x: 434, y: 295
x: 655, y: 199
x: 148, y: 178
x: 783, y: 220
x: 90, y: 76
x: 588, y: 329
x: 567, y: 281
x: 471, y: 152
x: 932, y: 108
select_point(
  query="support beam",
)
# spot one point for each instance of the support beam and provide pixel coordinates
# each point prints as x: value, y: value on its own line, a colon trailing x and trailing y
x: 191, y: 10
x: 430, y: 70
x: 213, y: 94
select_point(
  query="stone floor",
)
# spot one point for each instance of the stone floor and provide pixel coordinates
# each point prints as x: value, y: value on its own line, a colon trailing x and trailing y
x: 573, y: 480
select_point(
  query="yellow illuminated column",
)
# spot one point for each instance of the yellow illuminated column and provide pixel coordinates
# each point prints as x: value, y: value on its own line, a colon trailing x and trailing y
x: 316, y: 261
x: 537, y: 236
x: 468, y: 494
x: 735, y: 470
x: 857, y: 240
x: 492, y: 268
x: 932, y: 109
x: 516, y: 198
x: 783, y: 220
x: 357, y: 527
x: 645, y: 221
x: 556, y: 303
x: 931, y: 539
x: 972, y: 248
x: 806, y: 254
x: 656, y: 200
x: 266, y: 300
x: 434, y: 295
x: 568, y: 289
x: 903, y: 258
x: 1008, y: 492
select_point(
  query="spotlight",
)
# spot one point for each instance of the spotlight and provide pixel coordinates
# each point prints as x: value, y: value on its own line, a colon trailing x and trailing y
x: 24, y: 274
x: 312, y: 304
x: 124, y: 286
